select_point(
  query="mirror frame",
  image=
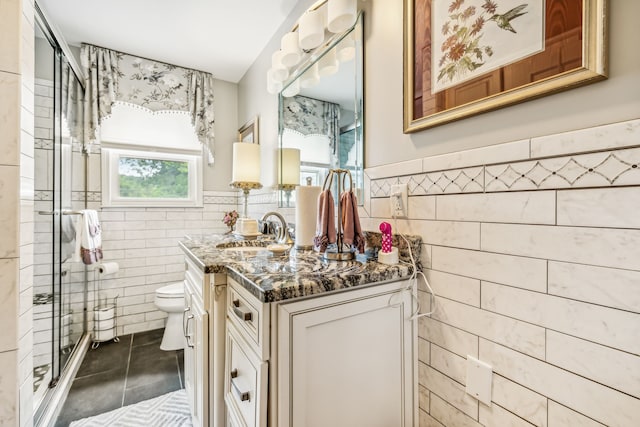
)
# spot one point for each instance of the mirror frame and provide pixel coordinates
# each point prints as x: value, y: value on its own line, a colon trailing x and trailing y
x: 313, y: 57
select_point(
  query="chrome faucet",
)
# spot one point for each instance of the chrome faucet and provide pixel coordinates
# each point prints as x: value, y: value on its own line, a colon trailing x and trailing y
x: 282, y: 236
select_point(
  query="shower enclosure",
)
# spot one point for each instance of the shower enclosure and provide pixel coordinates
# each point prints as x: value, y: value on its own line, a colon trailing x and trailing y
x: 59, y: 280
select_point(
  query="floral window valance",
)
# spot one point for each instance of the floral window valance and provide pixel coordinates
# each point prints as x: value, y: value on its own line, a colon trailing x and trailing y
x: 156, y: 86
x: 310, y: 116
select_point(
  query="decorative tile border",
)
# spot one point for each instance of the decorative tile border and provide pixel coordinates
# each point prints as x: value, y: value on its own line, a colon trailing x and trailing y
x: 604, y: 169
x: 222, y: 200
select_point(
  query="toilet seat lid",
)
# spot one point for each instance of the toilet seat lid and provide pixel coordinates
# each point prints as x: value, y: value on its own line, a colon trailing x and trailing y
x: 174, y: 289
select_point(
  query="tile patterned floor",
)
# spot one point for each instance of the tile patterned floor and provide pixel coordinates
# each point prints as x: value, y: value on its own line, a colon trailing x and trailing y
x: 119, y: 374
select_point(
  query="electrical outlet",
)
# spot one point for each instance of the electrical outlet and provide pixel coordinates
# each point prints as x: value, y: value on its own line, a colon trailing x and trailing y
x: 399, y: 199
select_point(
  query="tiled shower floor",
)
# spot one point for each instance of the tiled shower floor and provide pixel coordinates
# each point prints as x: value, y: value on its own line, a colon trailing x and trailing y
x: 119, y: 374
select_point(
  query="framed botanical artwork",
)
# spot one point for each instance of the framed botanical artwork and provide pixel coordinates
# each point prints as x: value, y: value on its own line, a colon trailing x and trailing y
x: 465, y: 57
x: 249, y: 132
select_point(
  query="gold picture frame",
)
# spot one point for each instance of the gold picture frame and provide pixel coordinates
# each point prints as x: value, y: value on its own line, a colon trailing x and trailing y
x: 574, y: 56
x: 249, y: 132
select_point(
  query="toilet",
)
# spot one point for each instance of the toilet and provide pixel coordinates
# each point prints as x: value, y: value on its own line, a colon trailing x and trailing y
x: 170, y: 299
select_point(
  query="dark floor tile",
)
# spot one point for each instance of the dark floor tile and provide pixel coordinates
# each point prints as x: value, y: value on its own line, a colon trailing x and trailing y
x: 108, y: 356
x: 148, y: 337
x: 92, y: 395
x: 166, y: 384
x: 149, y: 364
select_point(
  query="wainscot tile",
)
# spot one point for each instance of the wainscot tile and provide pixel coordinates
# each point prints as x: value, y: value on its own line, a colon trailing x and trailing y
x: 403, y: 168
x: 606, y: 207
x: 9, y: 401
x: 468, y: 180
x: 526, y: 273
x: 449, y: 364
x: 510, y: 151
x: 615, y: 328
x: 533, y: 207
x: 421, y: 207
x: 449, y: 390
x: 455, y: 340
x: 590, y: 398
x: 458, y: 288
x: 10, y: 37
x: 496, y: 415
x: 617, y: 369
x: 9, y: 113
x: 520, y: 400
x: 594, y: 246
x: 616, y: 135
x: 518, y: 335
x: 611, y: 287
x: 561, y: 416
x: 449, y: 415
x: 448, y: 233
x: 427, y: 420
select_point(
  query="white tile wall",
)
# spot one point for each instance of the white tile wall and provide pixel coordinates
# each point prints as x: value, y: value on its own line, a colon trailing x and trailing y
x: 553, y: 259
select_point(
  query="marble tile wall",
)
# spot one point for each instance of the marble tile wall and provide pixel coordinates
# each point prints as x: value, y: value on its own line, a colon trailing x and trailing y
x: 533, y: 250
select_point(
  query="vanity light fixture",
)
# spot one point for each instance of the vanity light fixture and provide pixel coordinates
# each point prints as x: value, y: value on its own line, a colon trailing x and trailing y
x: 328, y: 64
x: 245, y: 174
x: 311, y: 77
x: 334, y: 16
x: 341, y: 14
x: 346, y: 49
x: 292, y: 90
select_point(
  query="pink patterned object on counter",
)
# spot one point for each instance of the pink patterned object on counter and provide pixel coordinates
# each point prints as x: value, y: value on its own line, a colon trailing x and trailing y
x: 385, y: 229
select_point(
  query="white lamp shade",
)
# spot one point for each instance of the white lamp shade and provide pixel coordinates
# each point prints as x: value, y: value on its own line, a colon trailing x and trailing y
x: 246, y: 162
x: 328, y: 64
x: 273, y: 87
x: 346, y: 49
x: 311, y: 29
x: 291, y: 53
x: 280, y: 72
x: 341, y: 15
x: 292, y: 90
x: 311, y: 77
x: 289, y: 166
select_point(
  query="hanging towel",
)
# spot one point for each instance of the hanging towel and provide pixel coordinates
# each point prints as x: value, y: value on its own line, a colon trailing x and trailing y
x: 352, y: 232
x: 88, y: 238
x: 326, y: 224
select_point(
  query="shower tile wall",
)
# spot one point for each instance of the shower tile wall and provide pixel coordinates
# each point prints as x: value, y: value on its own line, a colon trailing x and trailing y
x: 533, y: 248
x: 16, y: 208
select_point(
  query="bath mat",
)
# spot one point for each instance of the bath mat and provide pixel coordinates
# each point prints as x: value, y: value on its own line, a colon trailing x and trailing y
x: 168, y: 410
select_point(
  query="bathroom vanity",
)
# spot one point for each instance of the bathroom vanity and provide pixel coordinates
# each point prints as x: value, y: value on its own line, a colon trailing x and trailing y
x: 293, y: 340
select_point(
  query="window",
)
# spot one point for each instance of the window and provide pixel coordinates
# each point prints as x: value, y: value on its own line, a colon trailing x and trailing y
x: 138, y: 176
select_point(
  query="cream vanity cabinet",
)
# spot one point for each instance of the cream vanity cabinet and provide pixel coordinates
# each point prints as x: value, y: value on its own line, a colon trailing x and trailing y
x: 339, y: 359
x: 204, y: 330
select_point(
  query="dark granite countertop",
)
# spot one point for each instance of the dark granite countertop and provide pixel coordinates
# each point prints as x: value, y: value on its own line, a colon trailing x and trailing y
x: 299, y: 273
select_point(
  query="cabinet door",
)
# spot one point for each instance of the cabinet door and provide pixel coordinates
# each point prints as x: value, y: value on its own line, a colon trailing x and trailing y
x: 196, y: 360
x: 245, y: 382
x: 351, y: 364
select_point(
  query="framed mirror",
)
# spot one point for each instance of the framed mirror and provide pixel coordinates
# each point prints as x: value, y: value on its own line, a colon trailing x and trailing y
x: 321, y: 114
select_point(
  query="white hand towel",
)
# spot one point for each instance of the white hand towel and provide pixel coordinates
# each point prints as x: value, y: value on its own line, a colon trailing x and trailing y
x: 88, y: 238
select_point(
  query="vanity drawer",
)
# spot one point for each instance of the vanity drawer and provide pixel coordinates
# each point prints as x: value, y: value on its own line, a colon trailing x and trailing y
x: 251, y: 317
x: 245, y: 388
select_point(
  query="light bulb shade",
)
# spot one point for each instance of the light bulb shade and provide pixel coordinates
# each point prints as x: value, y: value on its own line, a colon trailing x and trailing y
x: 289, y: 166
x: 280, y: 72
x: 311, y: 29
x: 291, y: 53
x: 246, y: 162
x: 328, y: 64
x: 346, y: 49
x: 273, y: 87
x: 341, y: 15
x: 311, y: 77
x: 292, y: 90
